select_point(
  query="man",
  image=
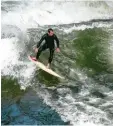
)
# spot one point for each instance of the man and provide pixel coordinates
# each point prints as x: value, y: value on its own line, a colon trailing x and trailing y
x: 49, y: 44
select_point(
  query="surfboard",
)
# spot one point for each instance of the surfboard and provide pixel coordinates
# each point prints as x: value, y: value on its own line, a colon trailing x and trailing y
x: 43, y: 67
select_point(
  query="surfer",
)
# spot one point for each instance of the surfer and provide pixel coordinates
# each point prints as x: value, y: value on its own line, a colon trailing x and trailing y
x: 49, y: 44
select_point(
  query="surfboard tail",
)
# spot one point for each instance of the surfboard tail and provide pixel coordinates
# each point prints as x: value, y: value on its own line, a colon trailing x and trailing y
x: 43, y: 67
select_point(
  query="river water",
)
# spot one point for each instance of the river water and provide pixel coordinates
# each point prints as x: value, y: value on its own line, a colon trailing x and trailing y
x: 32, y: 97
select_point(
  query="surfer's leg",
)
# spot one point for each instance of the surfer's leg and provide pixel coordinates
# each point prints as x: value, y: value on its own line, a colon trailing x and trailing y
x: 51, y: 56
x: 42, y: 48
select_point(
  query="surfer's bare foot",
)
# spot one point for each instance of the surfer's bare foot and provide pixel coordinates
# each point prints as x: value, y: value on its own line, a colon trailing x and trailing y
x: 48, y: 66
x: 34, y: 58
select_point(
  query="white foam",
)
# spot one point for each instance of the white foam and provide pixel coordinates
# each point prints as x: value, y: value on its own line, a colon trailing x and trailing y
x: 68, y: 105
x: 10, y: 59
x: 8, y: 54
x: 57, y: 13
x: 83, y: 27
x: 67, y: 108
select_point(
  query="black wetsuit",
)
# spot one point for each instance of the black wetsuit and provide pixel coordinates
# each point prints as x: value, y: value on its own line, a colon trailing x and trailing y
x: 49, y: 44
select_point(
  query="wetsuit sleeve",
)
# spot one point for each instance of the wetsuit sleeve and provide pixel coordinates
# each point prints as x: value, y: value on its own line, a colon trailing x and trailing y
x: 41, y: 40
x: 57, y: 41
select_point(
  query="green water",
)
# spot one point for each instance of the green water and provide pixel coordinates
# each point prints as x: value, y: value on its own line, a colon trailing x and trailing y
x: 91, y: 46
x: 84, y: 52
x: 10, y: 87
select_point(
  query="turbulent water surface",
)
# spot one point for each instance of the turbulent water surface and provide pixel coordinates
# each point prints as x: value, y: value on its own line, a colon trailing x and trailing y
x: 31, y: 96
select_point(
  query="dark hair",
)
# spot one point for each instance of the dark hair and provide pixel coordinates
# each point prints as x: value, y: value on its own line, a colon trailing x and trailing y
x: 50, y: 29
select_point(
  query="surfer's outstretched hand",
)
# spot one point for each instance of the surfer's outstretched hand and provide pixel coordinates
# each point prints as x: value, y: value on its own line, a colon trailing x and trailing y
x: 57, y: 50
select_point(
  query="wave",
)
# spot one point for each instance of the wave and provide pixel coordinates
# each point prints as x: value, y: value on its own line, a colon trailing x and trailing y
x: 24, y: 14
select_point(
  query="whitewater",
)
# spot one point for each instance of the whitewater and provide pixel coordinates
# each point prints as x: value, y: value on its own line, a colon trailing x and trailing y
x: 22, y: 25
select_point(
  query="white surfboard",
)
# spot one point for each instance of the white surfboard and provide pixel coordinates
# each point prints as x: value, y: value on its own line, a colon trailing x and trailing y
x: 43, y: 67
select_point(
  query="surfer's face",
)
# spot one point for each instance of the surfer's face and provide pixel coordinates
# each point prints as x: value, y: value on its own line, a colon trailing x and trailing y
x: 51, y: 33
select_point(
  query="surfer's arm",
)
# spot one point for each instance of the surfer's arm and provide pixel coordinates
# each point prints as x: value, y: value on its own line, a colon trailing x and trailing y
x: 57, y: 41
x: 41, y: 40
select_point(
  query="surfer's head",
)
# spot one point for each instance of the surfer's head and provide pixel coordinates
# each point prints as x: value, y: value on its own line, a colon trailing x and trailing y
x: 50, y: 32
